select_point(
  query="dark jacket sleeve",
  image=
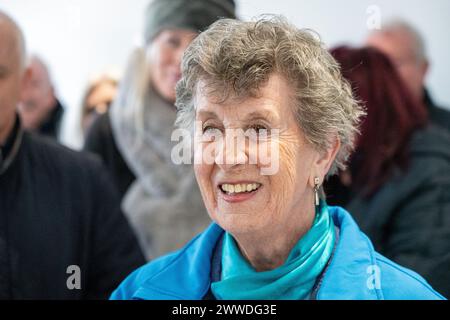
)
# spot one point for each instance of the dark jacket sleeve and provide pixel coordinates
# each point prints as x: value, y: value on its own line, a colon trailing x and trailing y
x: 114, y: 248
x: 420, y: 232
x: 101, y: 142
x: 97, y: 136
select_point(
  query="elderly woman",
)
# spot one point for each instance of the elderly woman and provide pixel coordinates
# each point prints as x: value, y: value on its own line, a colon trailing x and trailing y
x: 273, y: 236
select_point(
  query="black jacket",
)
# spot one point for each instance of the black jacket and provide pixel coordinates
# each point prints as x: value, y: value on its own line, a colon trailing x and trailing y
x: 408, y: 219
x: 100, y: 141
x: 58, y: 208
x: 438, y: 116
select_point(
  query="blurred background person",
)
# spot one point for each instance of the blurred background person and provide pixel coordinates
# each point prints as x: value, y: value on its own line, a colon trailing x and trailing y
x: 58, y: 208
x: 99, y: 95
x: 40, y: 110
x: 406, y: 48
x: 398, y: 179
x: 161, y: 199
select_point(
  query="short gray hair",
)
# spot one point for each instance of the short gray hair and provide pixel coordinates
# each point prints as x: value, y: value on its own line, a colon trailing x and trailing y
x: 236, y: 58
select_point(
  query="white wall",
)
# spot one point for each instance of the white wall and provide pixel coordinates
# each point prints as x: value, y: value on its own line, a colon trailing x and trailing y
x: 81, y: 37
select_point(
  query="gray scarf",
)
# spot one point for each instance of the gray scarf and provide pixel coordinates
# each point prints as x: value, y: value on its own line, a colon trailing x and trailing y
x: 164, y: 204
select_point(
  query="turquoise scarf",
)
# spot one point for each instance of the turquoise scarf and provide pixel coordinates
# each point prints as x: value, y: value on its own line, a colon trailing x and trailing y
x: 292, y: 281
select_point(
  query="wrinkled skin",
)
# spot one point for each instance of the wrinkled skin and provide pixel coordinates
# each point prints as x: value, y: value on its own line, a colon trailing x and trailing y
x: 267, y: 225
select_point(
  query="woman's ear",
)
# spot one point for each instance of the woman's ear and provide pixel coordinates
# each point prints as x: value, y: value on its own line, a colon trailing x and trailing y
x: 324, y: 160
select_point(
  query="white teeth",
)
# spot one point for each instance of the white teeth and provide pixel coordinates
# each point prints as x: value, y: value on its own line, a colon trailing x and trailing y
x: 239, y: 188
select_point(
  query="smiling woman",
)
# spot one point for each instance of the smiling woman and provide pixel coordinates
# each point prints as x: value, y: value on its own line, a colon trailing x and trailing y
x: 271, y: 237
x: 265, y: 212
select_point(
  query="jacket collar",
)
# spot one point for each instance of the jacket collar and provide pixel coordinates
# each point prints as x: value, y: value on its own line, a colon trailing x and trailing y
x: 187, y: 276
x: 353, y: 265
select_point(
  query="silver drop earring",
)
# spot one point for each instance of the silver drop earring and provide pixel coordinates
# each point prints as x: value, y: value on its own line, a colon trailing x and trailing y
x: 316, y: 190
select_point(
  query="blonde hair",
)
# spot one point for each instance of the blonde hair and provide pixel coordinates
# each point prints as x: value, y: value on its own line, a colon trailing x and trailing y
x: 110, y: 76
x: 236, y: 58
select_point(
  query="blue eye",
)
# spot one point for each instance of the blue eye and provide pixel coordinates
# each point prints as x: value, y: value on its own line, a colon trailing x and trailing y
x: 259, y: 129
x: 209, y: 129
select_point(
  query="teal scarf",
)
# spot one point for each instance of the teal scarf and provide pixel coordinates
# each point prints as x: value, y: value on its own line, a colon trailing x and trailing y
x: 292, y: 281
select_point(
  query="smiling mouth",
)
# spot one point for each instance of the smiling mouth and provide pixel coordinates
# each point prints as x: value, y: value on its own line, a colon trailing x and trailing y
x: 239, y: 188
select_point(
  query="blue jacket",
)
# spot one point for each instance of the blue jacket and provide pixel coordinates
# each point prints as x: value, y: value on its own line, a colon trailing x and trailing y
x: 356, y: 271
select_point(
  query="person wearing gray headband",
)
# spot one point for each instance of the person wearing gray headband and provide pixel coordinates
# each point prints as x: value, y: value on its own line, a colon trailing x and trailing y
x: 161, y: 199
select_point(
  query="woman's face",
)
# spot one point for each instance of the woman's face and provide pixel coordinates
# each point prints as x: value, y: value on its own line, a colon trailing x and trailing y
x: 237, y: 193
x: 165, y: 54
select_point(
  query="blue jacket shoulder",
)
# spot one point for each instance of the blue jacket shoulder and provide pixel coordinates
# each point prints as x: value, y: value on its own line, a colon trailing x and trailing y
x: 129, y: 287
x: 399, y: 283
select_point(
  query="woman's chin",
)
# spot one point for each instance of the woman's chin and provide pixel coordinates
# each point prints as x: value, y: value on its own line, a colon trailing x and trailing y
x: 237, y: 222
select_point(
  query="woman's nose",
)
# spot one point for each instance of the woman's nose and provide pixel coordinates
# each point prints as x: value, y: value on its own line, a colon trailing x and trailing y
x: 231, y: 152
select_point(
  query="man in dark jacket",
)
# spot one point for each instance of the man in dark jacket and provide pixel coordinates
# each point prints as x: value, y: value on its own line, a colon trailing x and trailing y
x: 404, y: 45
x: 62, y: 234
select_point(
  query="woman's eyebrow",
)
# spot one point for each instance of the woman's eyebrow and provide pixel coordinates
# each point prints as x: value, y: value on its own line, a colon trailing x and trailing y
x: 261, y: 115
x: 255, y: 115
x: 207, y: 114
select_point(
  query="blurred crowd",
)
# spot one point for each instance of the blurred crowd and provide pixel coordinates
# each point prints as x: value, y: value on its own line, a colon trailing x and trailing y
x: 122, y: 202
